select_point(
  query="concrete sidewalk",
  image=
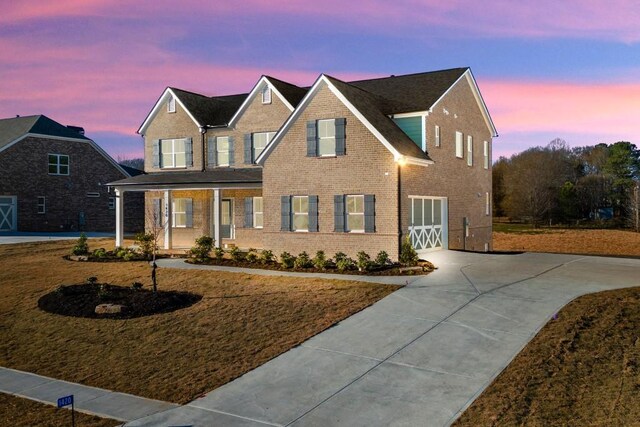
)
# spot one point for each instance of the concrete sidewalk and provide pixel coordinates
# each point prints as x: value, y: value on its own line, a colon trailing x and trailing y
x: 91, y: 400
x: 7, y: 238
x: 418, y: 357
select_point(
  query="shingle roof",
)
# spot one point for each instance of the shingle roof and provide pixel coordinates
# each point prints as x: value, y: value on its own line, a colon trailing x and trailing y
x: 215, y: 176
x: 210, y: 111
x: 15, y: 127
x: 292, y: 93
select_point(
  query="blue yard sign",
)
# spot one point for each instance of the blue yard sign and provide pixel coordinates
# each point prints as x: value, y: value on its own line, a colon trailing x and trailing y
x: 65, y: 401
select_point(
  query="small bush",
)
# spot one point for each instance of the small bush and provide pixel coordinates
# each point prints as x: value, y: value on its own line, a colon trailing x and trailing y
x: 252, y: 257
x: 146, y: 243
x: 364, y: 261
x: 99, y: 253
x: 92, y: 280
x: 287, y: 260
x: 338, y: 256
x: 104, y: 292
x: 136, y: 285
x: 218, y: 253
x: 345, y: 263
x: 320, y: 261
x: 235, y: 253
x: 128, y: 256
x: 408, y: 255
x: 120, y: 252
x: 203, y: 246
x: 81, y: 247
x: 382, y: 258
x: 266, y: 257
x: 303, y: 260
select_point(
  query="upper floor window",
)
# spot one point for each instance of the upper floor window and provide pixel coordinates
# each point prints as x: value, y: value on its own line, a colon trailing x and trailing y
x: 171, y: 105
x: 326, y: 137
x: 437, y: 136
x: 255, y: 144
x: 58, y: 164
x: 173, y: 153
x: 469, y: 150
x: 459, y: 145
x: 222, y: 151
x: 486, y: 154
x: 266, y: 95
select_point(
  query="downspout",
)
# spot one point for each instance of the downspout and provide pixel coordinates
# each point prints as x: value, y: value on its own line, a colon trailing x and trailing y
x: 203, y: 133
x: 399, y: 209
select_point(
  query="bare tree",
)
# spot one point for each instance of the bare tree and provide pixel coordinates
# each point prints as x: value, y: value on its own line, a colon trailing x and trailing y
x: 155, y: 226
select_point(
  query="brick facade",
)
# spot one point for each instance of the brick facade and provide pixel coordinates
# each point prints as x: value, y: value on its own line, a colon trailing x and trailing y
x: 24, y: 173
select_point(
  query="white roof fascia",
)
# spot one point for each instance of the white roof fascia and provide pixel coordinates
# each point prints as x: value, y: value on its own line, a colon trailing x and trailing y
x: 159, y: 104
x: 263, y: 80
x: 412, y: 114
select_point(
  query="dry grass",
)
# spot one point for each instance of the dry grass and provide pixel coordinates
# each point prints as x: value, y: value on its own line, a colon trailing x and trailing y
x: 597, y: 242
x: 241, y: 322
x: 18, y: 412
x: 581, y: 369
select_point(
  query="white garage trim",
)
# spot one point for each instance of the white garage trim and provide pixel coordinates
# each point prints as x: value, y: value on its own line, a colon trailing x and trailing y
x: 8, y: 213
x: 428, y: 224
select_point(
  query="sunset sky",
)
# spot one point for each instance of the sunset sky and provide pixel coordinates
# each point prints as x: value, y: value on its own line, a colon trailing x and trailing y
x: 547, y: 69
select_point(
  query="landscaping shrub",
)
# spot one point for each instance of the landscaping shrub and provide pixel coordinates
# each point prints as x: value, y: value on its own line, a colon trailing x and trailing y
x: 364, y: 261
x: 345, y: 263
x: 338, y: 256
x: 218, y: 253
x: 252, y: 256
x: 128, y: 256
x: 120, y: 252
x: 99, y: 253
x: 320, y: 261
x: 303, y: 260
x: 408, y: 255
x: 136, y: 285
x: 236, y: 254
x: 92, y: 280
x: 203, y: 246
x: 287, y: 260
x: 382, y: 259
x: 81, y: 247
x: 146, y: 242
x: 266, y: 257
x: 104, y: 292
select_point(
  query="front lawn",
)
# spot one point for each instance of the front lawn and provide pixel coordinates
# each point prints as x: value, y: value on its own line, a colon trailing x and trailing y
x: 241, y: 322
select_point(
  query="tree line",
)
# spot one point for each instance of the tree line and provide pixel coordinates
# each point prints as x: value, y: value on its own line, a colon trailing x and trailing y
x: 557, y: 184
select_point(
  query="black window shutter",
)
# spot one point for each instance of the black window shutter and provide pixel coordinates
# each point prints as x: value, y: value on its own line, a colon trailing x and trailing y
x: 231, y: 152
x: 340, y: 137
x: 338, y: 213
x: 312, y: 142
x: 313, y: 213
x: 156, y: 153
x: 248, y: 212
x: 248, y: 155
x: 369, y: 213
x: 188, y: 152
x: 211, y: 151
x: 157, y: 213
x: 189, y: 213
x: 285, y: 213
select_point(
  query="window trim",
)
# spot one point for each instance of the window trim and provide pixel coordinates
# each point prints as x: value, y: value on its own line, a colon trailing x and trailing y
x: 469, y: 150
x: 218, y: 151
x: 320, y: 138
x: 294, y: 213
x: 437, y: 136
x: 58, y: 165
x: 459, y: 145
x: 171, y: 104
x: 173, y: 153
x: 269, y: 135
x: 266, y: 94
x: 42, y: 205
x: 349, y: 214
x: 487, y: 209
x: 256, y: 212
x: 486, y: 154
x: 175, y: 213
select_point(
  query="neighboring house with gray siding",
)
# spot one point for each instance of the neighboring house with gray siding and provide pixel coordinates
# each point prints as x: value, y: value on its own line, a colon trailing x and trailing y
x: 53, y: 178
x: 338, y: 166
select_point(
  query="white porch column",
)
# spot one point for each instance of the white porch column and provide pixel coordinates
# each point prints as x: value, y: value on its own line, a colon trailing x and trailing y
x: 168, y: 226
x: 119, y: 216
x: 216, y: 216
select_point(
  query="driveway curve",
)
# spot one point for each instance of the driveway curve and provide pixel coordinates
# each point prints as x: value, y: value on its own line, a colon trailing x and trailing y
x: 420, y: 356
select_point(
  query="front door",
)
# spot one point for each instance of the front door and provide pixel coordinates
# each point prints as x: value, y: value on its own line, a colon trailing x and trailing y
x: 226, y: 220
x: 427, y: 223
x: 8, y: 213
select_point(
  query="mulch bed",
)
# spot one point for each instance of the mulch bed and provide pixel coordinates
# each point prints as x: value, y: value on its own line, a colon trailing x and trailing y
x: 108, y: 258
x: 81, y: 301
x: 390, y: 270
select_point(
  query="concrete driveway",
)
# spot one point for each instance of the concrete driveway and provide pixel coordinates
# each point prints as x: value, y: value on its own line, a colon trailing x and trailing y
x: 418, y: 357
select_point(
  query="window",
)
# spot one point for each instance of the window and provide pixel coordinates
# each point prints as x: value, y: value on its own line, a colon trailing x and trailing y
x: 300, y: 209
x: 459, y: 145
x: 222, y: 151
x: 260, y: 140
x: 486, y: 154
x: 469, y: 150
x: 326, y: 137
x: 266, y: 95
x: 182, y: 213
x: 355, y: 213
x: 257, y: 212
x: 93, y: 194
x: 171, y: 105
x: 173, y: 153
x: 58, y: 164
x: 42, y: 204
x: 437, y: 136
x: 487, y: 204
x: 112, y: 203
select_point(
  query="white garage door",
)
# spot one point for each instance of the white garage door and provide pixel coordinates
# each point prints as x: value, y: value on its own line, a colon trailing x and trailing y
x: 8, y: 213
x: 428, y: 223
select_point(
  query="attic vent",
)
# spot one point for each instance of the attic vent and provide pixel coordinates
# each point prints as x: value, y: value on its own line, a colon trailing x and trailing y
x: 77, y: 129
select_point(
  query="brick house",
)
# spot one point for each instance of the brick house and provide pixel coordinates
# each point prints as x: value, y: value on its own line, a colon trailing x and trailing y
x: 53, y: 178
x: 338, y: 166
